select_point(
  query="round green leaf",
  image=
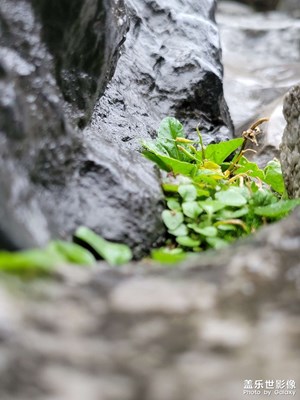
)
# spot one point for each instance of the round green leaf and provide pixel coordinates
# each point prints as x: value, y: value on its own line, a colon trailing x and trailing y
x: 231, y: 197
x: 172, y: 219
x: 180, y: 231
x: 191, y: 209
x: 187, y: 192
x: 209, y: 231
x: 211, y: 206
x: 174, y: 204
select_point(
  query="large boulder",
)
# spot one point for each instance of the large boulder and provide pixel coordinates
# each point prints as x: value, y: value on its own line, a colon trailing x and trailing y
x: 198, y: 330
x: 58, y: 170
x: 44, y: 74
x: 170, y: 65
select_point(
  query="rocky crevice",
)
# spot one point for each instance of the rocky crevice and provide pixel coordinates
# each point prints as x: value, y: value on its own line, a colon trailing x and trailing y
x: 57, y: 62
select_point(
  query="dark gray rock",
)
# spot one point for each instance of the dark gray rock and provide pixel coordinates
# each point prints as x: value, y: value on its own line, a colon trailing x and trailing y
x: 144, y: 333
x: 55, y: 61
x: 170, y: 66
x: 51, y: 181
x: 260, y: 5
x: 290, y: 147
x: 83, y: 37
x: 290, y: 6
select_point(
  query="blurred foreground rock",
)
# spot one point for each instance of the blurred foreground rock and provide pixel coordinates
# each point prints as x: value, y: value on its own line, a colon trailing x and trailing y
x: 139, y: 333
x: 57, y: 169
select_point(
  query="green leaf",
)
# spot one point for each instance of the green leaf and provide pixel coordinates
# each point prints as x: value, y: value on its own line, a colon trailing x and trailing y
x: 170, y: 187
x: 187, y: 192
x: 174, y: 204
x: 186, y: 241
x: 205, y: 177
x: 276, y: 210
x: 209, y: 231
x: 191, y: 209
x: 273, y: 176
x: 231, y: 197
x: 113, y: 253
x: 157, y: 160
x: 217, y: 243
x: 211, y: 206
x: 181, y: 230
x: 202, y: 193
x: 220, y: 151
x: 43, y: 260
x: 72, y: 252
x: 178, y: 167
x: 169, y: 129
x: 168, y: 256
x: 249, y: 168
x: 30, y: 261
x: 166, y: 161
x: 229, y: 214
x: 172, y: 219
x: 262, y: 197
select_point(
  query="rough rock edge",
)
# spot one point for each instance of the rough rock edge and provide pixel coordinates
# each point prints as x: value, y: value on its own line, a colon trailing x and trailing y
x: 290, y: 147
x: 156, y: 333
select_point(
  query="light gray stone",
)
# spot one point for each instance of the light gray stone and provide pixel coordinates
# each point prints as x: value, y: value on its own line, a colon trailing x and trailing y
x: 290, y: 148
x: 142, y: 331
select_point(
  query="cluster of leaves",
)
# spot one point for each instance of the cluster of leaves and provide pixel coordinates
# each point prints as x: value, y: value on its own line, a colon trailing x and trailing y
x: 212, y: 201
x: 60, y: 252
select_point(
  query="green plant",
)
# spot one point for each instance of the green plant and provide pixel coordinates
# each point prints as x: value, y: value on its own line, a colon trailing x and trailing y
x: 59, y: 252
x: 212, y: 201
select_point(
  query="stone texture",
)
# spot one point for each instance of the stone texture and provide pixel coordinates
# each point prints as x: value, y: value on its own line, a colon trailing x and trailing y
x: 41, y: 152
x: 290, y: 148
x: 59, y: 169
x: 170, y: 66
x: 144, y: 332
x: 254, y: 84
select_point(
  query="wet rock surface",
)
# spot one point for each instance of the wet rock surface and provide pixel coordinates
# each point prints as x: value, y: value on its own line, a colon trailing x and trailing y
x: 261, y: 63
x: 41, y: 152
x: 290, y: 147
x: 170, y: 66
x: 57, y: 170
x: 140, y: 332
